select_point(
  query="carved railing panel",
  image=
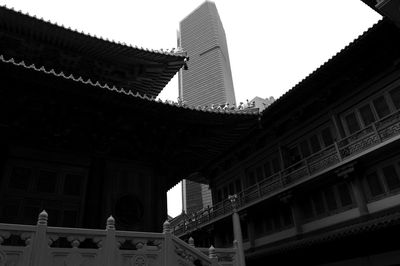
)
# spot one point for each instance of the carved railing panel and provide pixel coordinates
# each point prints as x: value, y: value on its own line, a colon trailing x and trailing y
x: 225, y: 256
x: 267, y: 186
x: 74, y: 246
x: 15, y: 244
x: 325, y: 162
x: 291, y: 177
x: 140, y: 248
x: 188, y: 255
x: 359, y: 145
x: 389, y: 127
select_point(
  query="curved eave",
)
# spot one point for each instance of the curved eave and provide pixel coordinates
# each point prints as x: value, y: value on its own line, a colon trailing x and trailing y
x: 180, y: 139
x: 372, y: 44
x: 127, y: 92
x: 49, y: 31
x: 65, y: 38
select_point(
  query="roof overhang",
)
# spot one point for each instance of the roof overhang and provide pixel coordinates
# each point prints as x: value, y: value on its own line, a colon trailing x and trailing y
x: 136, y: 69
x: 176, y: 141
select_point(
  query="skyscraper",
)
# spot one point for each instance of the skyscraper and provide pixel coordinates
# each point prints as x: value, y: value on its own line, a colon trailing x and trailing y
x: 195, y: 196
x: 209, y: 79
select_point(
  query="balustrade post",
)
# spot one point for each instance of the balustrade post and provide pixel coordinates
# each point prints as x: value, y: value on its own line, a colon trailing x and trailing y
x: 109, y: 247
x: 237, y: 253
x: 168, y: 247
x: 258, y: 190
x: 281, y: 178
x: 40, y: 243
x: 237, y: 230
x: 376, y: 132
x: 191, y: 242
x: 166, y: 227
x: 307, y: 167
x: 338, y: 151
x: 212, y: 255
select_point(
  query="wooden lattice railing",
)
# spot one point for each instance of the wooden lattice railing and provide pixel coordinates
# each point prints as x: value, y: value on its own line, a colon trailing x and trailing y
x: 345, y: 149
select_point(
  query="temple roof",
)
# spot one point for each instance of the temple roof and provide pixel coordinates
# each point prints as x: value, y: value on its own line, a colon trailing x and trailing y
x: 372, y: 4
x: 96, y: 83
x: 357, y: 65
x: 137, y: 69
x: 117, y: 120
x: 83, y: 114
x: 372, y: 51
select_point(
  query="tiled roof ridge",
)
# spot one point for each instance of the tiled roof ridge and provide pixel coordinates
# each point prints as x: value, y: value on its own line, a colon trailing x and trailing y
x: 116, y: 89
x: 324, y: 64
x: 178, y: 52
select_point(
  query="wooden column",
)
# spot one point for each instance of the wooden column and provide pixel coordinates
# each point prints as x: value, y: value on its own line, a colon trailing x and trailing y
x: 237, y: 230
x: 359, y: 195
x: 294, y: 205
x: 295, y: 210
x: 348, y: 173
x: 336, y: 124
x: 281, y: 157
x: 250, y: 230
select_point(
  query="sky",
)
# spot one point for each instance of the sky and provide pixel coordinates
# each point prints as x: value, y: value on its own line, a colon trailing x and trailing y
x: 272, y: 45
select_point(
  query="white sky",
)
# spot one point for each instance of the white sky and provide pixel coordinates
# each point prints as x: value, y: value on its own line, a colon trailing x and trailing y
x: 272, y: 45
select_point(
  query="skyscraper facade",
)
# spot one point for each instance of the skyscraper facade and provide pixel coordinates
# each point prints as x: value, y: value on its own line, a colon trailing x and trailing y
x: 195, y: 196
x: 209, y: 79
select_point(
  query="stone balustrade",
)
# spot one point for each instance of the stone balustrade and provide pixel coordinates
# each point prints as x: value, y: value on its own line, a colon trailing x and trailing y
x: 41, y: 245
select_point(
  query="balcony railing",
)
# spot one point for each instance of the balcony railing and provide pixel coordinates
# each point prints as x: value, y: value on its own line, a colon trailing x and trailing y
x: 344, y: 149
x: 41, y: 245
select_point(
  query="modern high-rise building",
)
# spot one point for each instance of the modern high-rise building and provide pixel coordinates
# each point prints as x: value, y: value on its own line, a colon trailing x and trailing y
x: 209, y: 79
x: 195, y: 196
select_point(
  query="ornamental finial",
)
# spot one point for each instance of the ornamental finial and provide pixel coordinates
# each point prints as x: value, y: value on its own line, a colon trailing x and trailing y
x: 211, y: 252
x: 191, y: 242
x: 166, y: 227
x: 233, y: 199
x: 110, y: 223
x: 42, y: 218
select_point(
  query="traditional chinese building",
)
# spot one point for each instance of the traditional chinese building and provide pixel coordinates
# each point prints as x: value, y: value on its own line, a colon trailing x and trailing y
x: 83, y: 138
x: 318, y: 181
x: 316, y: 175
x: 82, y: 135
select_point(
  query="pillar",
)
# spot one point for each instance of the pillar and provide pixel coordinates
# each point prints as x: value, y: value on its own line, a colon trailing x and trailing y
x: 250, y: 230
x: 348, y: 172
x: 359, y: 195
x: 237, y: 230
x: 296, y: 214
x: 292, y: 203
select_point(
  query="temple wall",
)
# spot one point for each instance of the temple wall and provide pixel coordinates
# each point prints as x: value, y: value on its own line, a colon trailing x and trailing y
x: 79, y: 190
